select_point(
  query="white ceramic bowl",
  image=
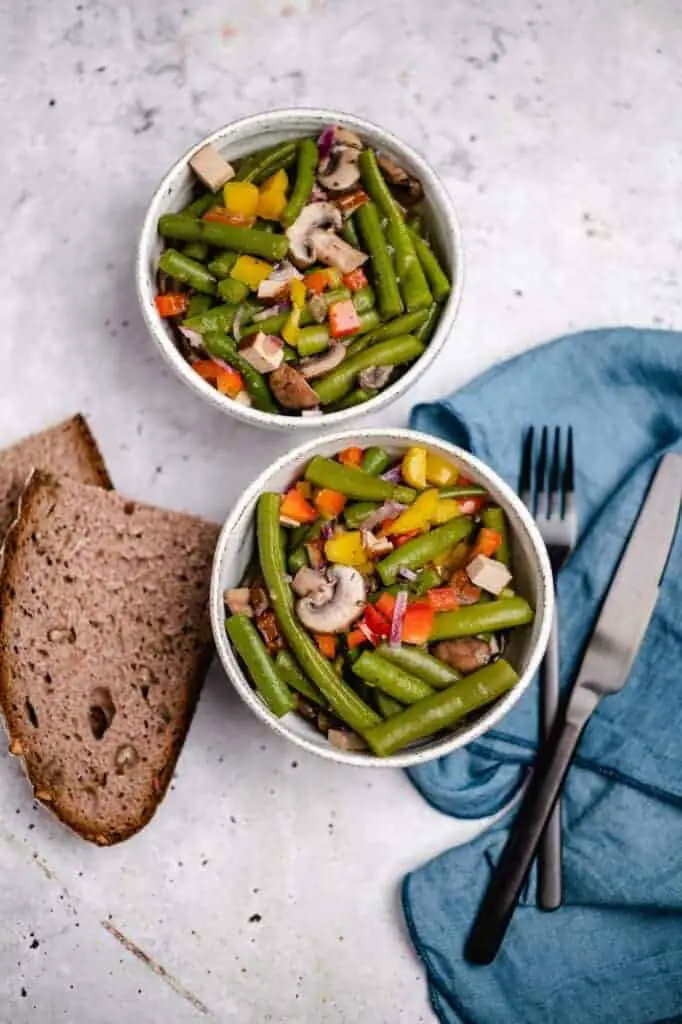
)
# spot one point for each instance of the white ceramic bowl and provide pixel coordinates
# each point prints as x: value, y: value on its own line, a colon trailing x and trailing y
x: 532, y: 579
x: 258, y: 132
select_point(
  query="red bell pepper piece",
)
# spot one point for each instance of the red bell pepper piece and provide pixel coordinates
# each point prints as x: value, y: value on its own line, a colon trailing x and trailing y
x: 417, y: 623
x: 443, y: 599
x: 171, y: 304
x: 375, y: 622
x: 355, y: 280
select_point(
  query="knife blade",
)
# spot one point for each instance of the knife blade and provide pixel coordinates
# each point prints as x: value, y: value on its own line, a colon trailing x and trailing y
x: 604, y: 670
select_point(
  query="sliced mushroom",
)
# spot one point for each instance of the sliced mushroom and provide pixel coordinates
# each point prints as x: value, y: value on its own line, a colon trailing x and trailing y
x: 317, y: 304
x: 465, y: 591
x: 344, y: 739
x: 277, y: 284
x: 405, y: 187
x: 343, y: 606
x: 317, y: 366
x: 333, y: 251
x: 259, y: 598
x: 291, y: 389
x: 352, y: 201
x: 269, y: 630
x: 376, y: 547
x: 466, y: 655
x: 315, y: 551
x: 308, y: 581
x: 375, y: 377
x: 339, y: 169
x: 313, y: 217
x: 238, y: 601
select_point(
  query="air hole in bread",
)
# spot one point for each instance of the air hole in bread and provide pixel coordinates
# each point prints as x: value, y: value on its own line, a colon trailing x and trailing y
x: 101, y: 712
x: 31, y: 714
x: 144, y: 690
x: 129, y: 508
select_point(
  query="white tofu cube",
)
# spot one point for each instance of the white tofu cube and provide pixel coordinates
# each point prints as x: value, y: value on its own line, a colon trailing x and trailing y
x: 488, y: 574
x: 264, y: 351
x: 211, y: 167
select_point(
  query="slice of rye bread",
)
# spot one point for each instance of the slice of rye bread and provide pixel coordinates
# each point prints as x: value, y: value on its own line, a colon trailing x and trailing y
x: 104, y: 643
x: 67, y: 449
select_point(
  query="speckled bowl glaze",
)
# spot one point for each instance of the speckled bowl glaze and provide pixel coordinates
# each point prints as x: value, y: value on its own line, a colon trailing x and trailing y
x: 532, y: 579
x: 258, y: 132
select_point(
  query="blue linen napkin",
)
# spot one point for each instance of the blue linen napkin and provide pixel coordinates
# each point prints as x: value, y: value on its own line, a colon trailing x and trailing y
x: 612, y: 954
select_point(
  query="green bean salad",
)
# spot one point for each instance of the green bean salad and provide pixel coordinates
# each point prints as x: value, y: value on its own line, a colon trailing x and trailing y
x: 300, y: 280
x: 379, y: 600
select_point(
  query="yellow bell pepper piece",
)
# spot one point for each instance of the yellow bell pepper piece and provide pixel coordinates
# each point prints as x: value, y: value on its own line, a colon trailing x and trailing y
x: 439, y: 471
x: 297, y: 293
x: 241, y: 197
x: 271, y: 204
x: 291, y: 329
x: 418, y: 516
x: 278, y: 182
x: 250, y: 270
x: 446, y: 508
x: 414, y: 468
x: 346, y: 549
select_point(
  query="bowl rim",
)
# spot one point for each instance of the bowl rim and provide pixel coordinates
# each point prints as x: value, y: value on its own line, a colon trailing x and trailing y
x: 545, y: 604
x: 260, y: 122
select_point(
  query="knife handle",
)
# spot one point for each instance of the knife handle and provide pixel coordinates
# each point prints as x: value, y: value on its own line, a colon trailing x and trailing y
x: 549, y: 851
x: 514, y: 865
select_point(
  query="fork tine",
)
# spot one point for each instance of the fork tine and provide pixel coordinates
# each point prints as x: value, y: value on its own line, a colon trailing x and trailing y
x: 555, y: 474
x: 525, y: 478
x: 568, y: 482
x: 541, y: 476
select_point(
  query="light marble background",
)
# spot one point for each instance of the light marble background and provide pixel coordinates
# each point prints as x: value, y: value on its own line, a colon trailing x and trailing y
x: 557, y: 130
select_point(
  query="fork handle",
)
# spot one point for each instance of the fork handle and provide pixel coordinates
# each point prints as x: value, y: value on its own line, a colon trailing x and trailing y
x: 549, y: 853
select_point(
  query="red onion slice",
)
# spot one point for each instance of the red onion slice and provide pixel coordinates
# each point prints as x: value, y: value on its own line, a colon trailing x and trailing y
x: 393, y: 475
x: 327, y: 531
x: 265, y: 314
x: 369, y: 635
x: 407, y: 574
x: 397, y: 620
x: 225, y: 366
x: 325, y: 142
x: 387, y: 511
x: 237, y: 324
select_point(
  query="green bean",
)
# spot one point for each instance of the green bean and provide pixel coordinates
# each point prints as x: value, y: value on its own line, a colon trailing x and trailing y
x: 406, y: 688
x: 359, y: 344
x: 270, y: 325
x: 251, y: 649
x: 494, y: 518
x: 218, y: 318
x: 481, y: 618
x: 425, y: 332
x: 265, y: 225
x: 278, y: 162
x: 306, y: 165
x: 420, y: 664
x: 318, y: 332
x: 414, y: 287
x: 415, y: 221
x: 355, y: 483
x: 297, y: 536
x: 386, y: 283
x: 357, y: 397
x: 298, y: 559
x: 342, y: 699
x: 317, y: 338
x: 291, y: 674
x: 437, y: 278
x: 190, y: 272
x: 198, y: 303
x: 222, y: 347
x: 376, y: 460
x: 420, y: 550
x: 469, y: 491
x: 196, y: 251
x: 425, y: 581
x: 222, y: 265
x: 349, y: 233
x: 393, y: 352
x: 442, y: 710
x: 364, y: 299
x: 224, y: 236
x: 231, y: 290
x: 357, y: 511
x: 408, y: 323
x: 386, y: 705
x: 265, y: 161
x: 201, y: 205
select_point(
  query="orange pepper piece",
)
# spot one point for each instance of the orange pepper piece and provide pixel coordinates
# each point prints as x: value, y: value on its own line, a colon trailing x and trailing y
x: 172, y: 303
x: 385, y: 604
x: 330, y: 503
x: 355, y: 638
x: 327, y: 644
x: 417, y: 623
x: 294, y: 506
x: 487, y: 543
x: 219, y: 215
x: 351, y: 456
x: 343, y: 319
x: 226, y: 380
x: 443, y: 599
x: 355, y: 280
